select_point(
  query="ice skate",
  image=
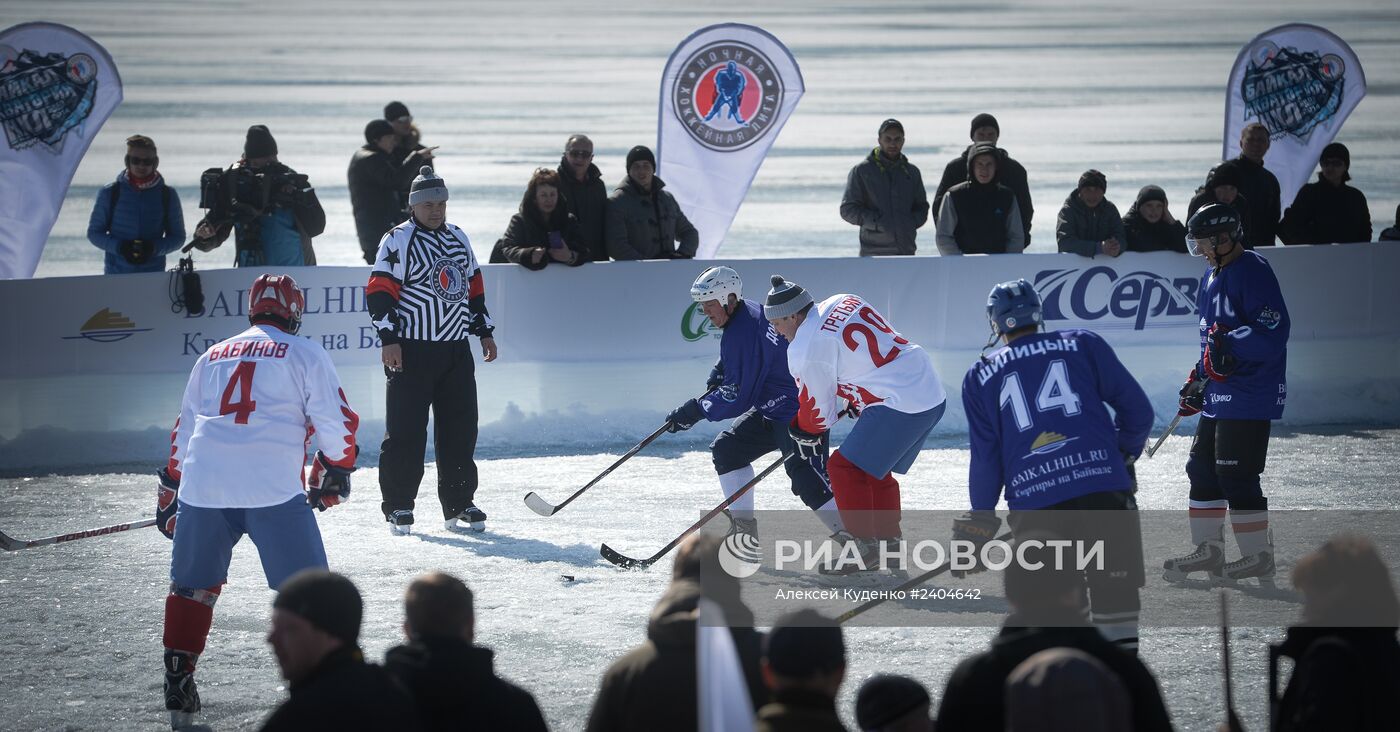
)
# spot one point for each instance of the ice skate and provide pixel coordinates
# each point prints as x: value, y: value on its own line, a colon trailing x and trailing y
x: 400, y: 523
x: 1259, y: 567
x: 746, y: 526
x: 471, y: 519
x: 1209, y: 557
x: 181, y: 693
x: 841, y: 565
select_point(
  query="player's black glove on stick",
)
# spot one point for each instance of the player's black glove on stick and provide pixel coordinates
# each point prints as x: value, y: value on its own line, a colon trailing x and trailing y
x: 1219, y: 362
x: 326, y: 485
x: 808, y: 444
x: 716, y: 376
x: 1193, y: 395
x: 978, y: 527
x: 684, y: 417
x: 166, y: 505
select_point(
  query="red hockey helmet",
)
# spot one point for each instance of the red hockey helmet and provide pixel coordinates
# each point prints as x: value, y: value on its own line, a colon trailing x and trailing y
x: 277, y: 300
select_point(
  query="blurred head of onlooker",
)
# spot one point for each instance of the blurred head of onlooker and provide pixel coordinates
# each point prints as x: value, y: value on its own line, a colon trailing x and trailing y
x: 985, y: 129
x: 804, y: 663
x: 380, y: 134
x: 641, y: 166
x: 1065, y: 690
x: 1092, y: 185
x: 398, y: 115
x: 136, y: 219
x: 578, y: 156
x: 1335, y: 162
x: 1149, y: 225
x: 542, y: 199
x: 891, y: 139
x: 892, y: 703
x: 315, y: 614
x: 1254, y: 141
x: 1224, y: 183
x: 440, y: 662
x: 654, y: 685
x: 315, y: 636
x: 1346, y: 656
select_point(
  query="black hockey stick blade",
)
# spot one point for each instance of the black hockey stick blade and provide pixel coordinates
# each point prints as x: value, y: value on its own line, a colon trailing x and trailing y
x: 11, y: 544
x: 545, y: 508
x: 908, y: 585
x: 626, y: 562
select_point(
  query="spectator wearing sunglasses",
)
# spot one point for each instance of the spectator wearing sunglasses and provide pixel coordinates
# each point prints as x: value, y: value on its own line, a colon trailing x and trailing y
x: 585, y: 196
x: 136, y: 219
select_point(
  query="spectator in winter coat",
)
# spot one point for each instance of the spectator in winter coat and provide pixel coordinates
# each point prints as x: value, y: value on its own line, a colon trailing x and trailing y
x: 980, y: 215
x: 1346, y: 658
x: 1089, y: 224
x: 315, y: 636
x: 1328, y: 211
x: 543, y: 230
x: 885, y: 197
x: 804, y: 663
x: 377, y: 181
x: 1009, y: 172
x: 440, y: 665
x: 1223, y: 186
x: 653, y: 686
x: 1149, y: 227
x: 581, y: 185
x: 891, y: 703
x: 1045, y: 613
x: 137, y: 219
x: 1392, y: 233
x: 1257, y: 184
x: 644, y: 221
x: 276, y: 221
x: 407, y: 143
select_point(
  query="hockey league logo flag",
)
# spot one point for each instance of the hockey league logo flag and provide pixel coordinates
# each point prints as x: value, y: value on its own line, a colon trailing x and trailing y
x: 1301, y: 82
x: 725, y: 94
x: 57, y: 87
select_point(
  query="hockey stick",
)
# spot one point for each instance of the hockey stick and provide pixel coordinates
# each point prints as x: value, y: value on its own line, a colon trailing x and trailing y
x: 629, y: 563
x: 11, y: 544
x: 908, y: 585
x: 545, y: 508
x: 1170, y: 429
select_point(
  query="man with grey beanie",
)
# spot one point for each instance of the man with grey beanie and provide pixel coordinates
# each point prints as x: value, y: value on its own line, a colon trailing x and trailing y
x: 888, y: 383
x: 426, y: 297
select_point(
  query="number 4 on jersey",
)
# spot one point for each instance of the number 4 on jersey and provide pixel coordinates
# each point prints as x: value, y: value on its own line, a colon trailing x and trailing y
x: 242, y: 378
x: 1054, y: 393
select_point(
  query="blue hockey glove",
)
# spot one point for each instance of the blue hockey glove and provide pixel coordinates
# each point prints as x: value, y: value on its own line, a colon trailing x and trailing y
x: 327, y: 484
x: 684, y: 417
x: 1219, y: 362
x: 166, y: 492
x: 716, y: 376
x: 978, y: 527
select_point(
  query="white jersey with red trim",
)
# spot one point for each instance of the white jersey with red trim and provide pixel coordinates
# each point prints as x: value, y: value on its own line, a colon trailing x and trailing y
x: 846, y: 350
x: 253, y: 407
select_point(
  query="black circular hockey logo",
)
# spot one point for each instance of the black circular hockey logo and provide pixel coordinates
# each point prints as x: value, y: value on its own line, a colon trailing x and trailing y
x: 727, y: 95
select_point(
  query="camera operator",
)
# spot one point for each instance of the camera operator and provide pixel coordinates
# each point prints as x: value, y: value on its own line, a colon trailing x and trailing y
x: 136, y: 219
x: 272, y: 209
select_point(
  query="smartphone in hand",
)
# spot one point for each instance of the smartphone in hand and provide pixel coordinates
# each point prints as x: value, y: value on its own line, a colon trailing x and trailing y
x: 556, y: 241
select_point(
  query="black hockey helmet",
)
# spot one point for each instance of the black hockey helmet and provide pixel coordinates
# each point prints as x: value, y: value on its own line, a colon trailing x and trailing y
x: 1210, y: 221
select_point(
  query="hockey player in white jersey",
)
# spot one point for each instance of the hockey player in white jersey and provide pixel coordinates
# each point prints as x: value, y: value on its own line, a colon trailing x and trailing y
x: 843, y: 349
x: 253, y: 406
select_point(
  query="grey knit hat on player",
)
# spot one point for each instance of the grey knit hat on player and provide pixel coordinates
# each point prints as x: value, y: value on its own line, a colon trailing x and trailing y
x: 427, y: 188
x: 786, y: 298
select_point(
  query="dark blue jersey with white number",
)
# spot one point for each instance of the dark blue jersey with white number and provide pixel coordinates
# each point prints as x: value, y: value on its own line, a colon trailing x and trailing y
x: 1038, y: 424
x: 756, y: 375
x: 1245, y: 299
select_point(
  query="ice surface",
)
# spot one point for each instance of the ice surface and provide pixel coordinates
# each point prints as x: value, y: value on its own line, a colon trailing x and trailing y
x: 82, y: 628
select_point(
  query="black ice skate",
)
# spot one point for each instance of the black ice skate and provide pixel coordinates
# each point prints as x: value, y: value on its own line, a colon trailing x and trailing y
x: 746, y: 526
x: 1209, y: 557
x: 1259, y: 567
x: 843, y: 564
x: 470, y: 519
x: 181, y: 694
x: 400, y: 522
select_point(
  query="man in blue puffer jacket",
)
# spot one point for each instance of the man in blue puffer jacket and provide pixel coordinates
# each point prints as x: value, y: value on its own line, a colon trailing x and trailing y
x: 137, y: 219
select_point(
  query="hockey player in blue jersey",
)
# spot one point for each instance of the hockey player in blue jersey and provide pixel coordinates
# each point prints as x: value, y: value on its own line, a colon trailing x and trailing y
x: 729, y: 92
x: 1040, y: 433
x: 751, y: 385
x: 1238, y: 387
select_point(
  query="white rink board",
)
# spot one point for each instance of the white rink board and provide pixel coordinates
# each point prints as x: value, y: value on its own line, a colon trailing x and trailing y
x: 613, y: 336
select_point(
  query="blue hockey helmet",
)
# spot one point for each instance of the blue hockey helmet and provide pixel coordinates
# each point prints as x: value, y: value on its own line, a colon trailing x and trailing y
x: 1013, y: 305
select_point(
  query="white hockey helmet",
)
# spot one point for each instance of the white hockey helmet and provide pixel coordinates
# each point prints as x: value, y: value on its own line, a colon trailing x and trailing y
x: 717, y: 283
